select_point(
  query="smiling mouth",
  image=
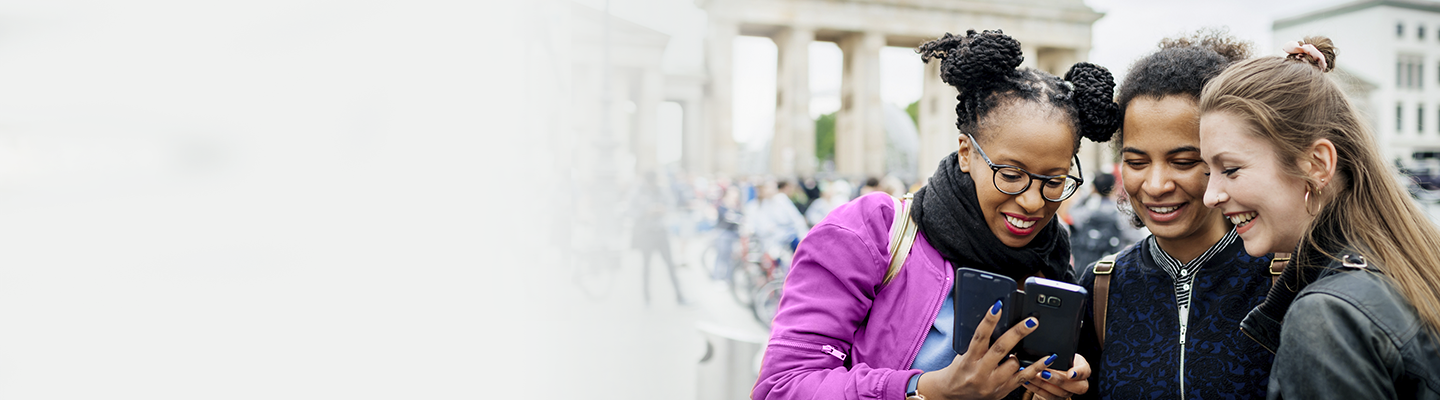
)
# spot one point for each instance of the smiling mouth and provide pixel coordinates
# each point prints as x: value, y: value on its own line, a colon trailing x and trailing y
x: 1243, y: 219
x: 1163, y: 210
x: 1019, y: 223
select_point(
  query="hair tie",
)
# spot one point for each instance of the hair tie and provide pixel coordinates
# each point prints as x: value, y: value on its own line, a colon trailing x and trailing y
x: 1300, y: 50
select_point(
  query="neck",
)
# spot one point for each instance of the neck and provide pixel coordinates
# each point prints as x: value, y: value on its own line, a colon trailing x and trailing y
x: 1188, y: 247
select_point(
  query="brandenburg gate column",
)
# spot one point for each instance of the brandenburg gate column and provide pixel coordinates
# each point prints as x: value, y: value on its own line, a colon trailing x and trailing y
x: 719, y: 96
x: 859, y: 130
x: 792, y: 150
x: 938, y: 135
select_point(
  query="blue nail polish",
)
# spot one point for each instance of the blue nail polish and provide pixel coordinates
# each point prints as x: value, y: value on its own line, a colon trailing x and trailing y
x: 1045, y: 374
x: 1027, y: 382
x: 1030, y: 323
x: 1050, y: 360
x: 1074, y: 374
x: 995, y: 309
x: 1022, y: 368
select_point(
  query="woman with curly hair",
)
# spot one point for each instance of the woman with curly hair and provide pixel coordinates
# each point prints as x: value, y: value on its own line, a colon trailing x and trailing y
x: 1164, y: 322
x: 850, y: 326
x: 1356, y: 313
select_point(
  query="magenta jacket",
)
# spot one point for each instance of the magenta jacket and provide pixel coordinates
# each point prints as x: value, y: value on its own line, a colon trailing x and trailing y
x: 839, y: 334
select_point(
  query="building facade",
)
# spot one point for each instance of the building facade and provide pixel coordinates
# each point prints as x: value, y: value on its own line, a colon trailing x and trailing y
x: 1392, y: 46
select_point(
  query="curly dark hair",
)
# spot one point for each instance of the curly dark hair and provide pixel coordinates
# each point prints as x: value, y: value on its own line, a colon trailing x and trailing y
x: 1182, y: 66
x: 984, y: 67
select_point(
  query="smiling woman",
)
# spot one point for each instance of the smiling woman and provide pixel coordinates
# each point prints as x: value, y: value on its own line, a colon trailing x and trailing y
x: 1357, y: 312
x: 846, y: 330
x: 1192, y: 267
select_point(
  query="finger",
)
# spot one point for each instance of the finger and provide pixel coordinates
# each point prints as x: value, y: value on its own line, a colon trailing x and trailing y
x: 981, y: 340
x: 1011, y: 337
x: 1046, y: 390
x: 1079, y: 369
x: 1035, y: 371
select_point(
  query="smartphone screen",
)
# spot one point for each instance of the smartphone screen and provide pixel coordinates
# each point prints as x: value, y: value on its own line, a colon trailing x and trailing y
x: 975, y: 293
x: 1058, y: 306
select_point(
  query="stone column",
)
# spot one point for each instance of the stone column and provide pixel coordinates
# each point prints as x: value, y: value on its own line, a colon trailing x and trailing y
x: 719, y: 96
x: 647, y: 124
x: 938, y: 135
x: 859, y: 131
x: 692, y: 137
x: 792, y: 150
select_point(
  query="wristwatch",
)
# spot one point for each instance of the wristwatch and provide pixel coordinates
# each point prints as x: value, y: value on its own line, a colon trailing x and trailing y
x: 912, y: 390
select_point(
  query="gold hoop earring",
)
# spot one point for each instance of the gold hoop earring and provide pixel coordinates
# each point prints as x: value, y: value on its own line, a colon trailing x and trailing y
x: 1307, y: 202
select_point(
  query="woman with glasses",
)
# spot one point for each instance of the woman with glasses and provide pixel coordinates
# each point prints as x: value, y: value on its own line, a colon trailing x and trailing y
x: 1169, y: 308
x: 851, y: 326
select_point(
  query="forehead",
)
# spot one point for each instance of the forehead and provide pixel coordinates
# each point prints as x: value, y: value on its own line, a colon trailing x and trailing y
x: 1161, y: 124
x: 1041, y: 145
x: 1224, y: 136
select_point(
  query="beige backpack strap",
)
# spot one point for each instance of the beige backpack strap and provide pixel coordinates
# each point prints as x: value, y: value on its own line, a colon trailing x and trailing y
x: 1103, y: 268
x: 1277, y: 265
x: 902, y: 236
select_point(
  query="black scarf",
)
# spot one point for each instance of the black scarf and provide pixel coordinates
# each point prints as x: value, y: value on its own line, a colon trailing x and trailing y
x: 948, y: 212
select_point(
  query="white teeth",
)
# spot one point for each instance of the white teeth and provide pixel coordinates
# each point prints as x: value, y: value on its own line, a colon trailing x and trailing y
x: 1019, y: 223
x: 1164, y: 210
x: 1242, y: 219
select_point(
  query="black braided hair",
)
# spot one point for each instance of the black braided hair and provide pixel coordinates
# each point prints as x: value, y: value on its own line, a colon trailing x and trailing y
x: 984, y: 67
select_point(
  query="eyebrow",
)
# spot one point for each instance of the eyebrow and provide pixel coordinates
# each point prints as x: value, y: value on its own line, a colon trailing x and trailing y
x: 1177, y: 150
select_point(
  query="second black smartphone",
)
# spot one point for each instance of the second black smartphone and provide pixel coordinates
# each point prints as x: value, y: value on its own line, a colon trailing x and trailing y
x: 1058, y: 306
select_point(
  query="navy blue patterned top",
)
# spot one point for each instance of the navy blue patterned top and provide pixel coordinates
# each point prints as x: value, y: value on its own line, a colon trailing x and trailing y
x: 1142, y: 357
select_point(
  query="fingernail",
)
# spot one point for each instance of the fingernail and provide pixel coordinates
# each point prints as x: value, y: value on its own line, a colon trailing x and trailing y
x: 995, y: 309
x: 1074, y: 374
x: 1022, y: 368
x: 1030, y: 323
x: 1050, y: 360
x: 1027, y: 382
x: 1045, y: 374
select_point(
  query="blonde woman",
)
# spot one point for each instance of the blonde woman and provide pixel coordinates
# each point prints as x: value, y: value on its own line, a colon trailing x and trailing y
x: 1356, y: 313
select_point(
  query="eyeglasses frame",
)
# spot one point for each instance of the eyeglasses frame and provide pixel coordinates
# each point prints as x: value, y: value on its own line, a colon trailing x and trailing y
x: 995, y: 169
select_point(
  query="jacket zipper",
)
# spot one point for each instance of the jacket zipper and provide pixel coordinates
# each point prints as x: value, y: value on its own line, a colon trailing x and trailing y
x: 915, y: 349
x: 1184, y: 316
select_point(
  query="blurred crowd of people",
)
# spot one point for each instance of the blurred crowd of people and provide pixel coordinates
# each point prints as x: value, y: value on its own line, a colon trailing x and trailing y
x: 674, y: 208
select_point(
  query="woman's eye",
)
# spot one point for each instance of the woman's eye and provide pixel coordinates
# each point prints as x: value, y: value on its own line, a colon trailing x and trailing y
x: 1011, y: 176
x: 1185, y: 163
x: 1055, y: 183
x: 1136, y: 164
x: 1230, y: 171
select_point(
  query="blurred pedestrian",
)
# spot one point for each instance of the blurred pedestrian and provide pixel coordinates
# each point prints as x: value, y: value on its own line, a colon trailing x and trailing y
x: 836, y: 192
x: 1097, y: 224
x: 649, y: 204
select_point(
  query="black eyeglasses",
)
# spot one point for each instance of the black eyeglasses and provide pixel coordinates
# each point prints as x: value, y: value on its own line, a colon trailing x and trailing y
x: 1013, y: 180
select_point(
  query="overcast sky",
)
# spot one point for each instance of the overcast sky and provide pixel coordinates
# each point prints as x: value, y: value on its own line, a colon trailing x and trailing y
x: 1129, y: 29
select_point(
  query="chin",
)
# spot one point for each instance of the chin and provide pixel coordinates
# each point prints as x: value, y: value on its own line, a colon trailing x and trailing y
x: 1256, y: 250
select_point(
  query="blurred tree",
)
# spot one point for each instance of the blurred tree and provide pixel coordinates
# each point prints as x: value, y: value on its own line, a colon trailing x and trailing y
x: 825, y: 138
x: 914, y: 110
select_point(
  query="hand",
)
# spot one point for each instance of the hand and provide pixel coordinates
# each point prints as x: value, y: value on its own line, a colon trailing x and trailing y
x: 1062, y: 384
x: 984, y: 371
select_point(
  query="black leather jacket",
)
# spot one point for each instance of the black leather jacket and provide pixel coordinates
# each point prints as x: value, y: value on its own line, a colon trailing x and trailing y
x: 1348, y: 334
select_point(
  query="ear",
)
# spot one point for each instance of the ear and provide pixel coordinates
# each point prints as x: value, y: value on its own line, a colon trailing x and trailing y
x: 964, y: 153
x: 1320, y: 161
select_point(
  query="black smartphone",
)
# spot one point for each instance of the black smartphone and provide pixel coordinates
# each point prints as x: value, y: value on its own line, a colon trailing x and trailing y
x: 975, y: 293
x: 1058, y: 306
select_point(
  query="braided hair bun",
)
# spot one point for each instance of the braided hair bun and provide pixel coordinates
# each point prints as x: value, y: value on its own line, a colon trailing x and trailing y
x: 1098, y: 114
x: 985, y: 68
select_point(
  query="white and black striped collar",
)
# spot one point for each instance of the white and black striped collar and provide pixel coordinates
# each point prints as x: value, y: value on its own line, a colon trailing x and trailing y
x: 1173, y: 266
